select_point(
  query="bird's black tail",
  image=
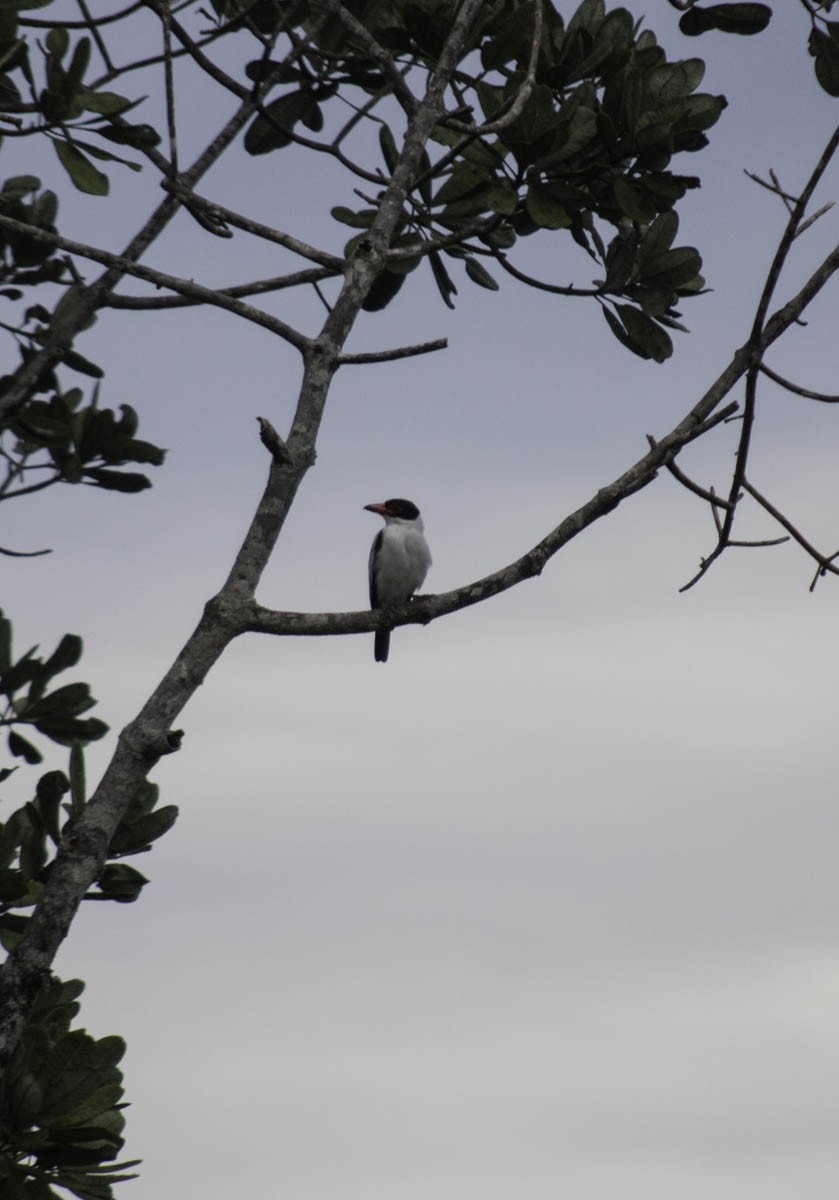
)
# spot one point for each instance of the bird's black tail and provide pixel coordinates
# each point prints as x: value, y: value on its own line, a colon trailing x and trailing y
x: 382, y: 644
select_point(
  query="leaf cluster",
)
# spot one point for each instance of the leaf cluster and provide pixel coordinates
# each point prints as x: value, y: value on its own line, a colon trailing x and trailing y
x: 60, y: 102
x: 592, y: 144
x: 33, y: 833
x: 23, y: 259
x: 28, y: 699
x: 61, y: 1119
x: 82, y: 443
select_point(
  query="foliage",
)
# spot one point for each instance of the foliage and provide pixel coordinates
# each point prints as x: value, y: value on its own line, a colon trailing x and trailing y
x: 61, y: 1117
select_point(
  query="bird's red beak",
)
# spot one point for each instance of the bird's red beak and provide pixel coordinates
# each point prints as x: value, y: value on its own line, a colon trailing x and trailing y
x: 381, y: 509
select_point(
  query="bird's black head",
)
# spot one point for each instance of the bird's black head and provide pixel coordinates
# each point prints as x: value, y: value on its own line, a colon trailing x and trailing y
x: 403, y: 510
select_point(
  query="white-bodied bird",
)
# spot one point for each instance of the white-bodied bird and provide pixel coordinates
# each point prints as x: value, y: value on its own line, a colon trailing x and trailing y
x: 399, y: 561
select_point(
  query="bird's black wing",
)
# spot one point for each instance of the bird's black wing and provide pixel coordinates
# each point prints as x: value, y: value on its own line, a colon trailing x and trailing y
x: 374, y: 552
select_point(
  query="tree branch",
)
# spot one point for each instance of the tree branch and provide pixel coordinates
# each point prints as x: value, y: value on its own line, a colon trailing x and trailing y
x: 824, y: 397
x: 218, y: 212
x: 257, y: 288
x: 756, y: 339
x: 184, y: 287
x: 377, y: 356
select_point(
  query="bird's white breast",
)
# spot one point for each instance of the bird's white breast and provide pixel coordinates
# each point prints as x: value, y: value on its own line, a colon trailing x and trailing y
x: 401, y: 563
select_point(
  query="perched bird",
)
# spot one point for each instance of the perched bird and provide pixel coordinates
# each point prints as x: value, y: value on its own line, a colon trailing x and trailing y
x: 399, y: 561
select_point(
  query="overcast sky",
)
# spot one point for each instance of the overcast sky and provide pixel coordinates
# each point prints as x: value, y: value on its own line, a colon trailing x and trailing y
x: 548, y: 905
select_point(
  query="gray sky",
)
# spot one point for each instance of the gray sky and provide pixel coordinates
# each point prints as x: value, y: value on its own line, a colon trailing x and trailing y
x: 548, y: 905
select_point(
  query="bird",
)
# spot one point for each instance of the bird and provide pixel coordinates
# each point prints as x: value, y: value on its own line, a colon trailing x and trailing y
x: 399, y: 561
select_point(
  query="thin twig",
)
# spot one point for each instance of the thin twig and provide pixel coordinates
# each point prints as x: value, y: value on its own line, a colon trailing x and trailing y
x: 756, y: 345
x: 165, y: 11
x: 257, y: 229
x: 93, y: 26
x: 377, y: 356
x: 823, y: 397
x: 825, y: 563
x: 688, y: 483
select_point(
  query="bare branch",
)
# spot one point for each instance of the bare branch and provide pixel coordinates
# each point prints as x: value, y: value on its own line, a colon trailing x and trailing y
x: 377, y: 356
x: 258, y: 288
x: 825, y: 563
x: 23, y: 553
x: 555, y: 288
x: 764, y: 333
x: 824, y: 397
x: 165, y: 10
x: 773, y: 276
x: 688, y: 483
x: 184, y: 287
x: 93, y: 26
x: 89, y: 23
x: 218, y: 212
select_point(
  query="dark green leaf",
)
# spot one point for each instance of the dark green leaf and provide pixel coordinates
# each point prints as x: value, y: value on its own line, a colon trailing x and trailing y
x: 312, y: 116
x: 545, y: 211
x: 478, y: 273
x: 356, y: 220
x: 139, y: 136
x: 24, y: 671
x: 387, y: 143
x: 81, y: 170
x: 117, y: 481
x: 57, y: 40
x: 50, y: 790
x: 81, y: 364
x: 272, y: 128
x: 826, y: 53
x: 442, y: 278
x: 646, y: 338
x: 78, y: 65
x: 67, y: 654
x: 672, y: 269
x: 133, y: 837
x: 119, y: 882
x: 66, y: 730
x: 105, y: 155
x: 19, y: 747
x: 382, y: 291
x: 632, y: 202
x: 744, y: 19
x: 20, y: 185
x: 5, y: 643
x: 78, y: 786
x: 70, y: 701
x: 105, y: 103
x: 464, y: 179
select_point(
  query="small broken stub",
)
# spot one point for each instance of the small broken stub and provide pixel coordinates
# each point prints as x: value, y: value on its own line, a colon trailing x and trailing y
x: 272, y: 441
